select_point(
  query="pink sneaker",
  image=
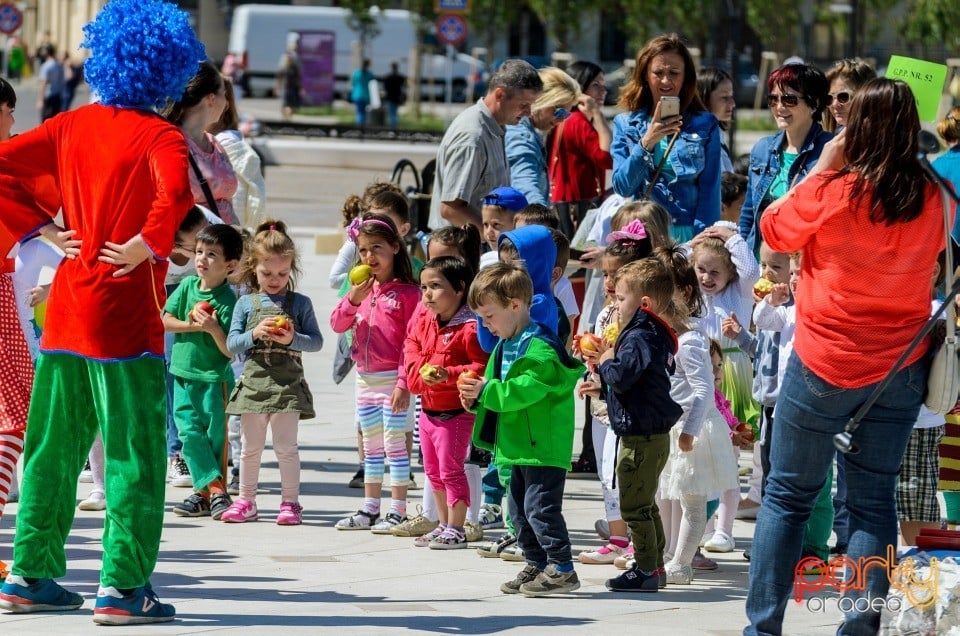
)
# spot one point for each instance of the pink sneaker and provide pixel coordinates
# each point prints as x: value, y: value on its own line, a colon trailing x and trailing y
x: 240, y: 511
x: 291, y: 514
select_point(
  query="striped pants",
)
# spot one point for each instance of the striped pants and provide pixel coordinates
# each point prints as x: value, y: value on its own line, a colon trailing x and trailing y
x: 11, y: 446
x: 384, y: 432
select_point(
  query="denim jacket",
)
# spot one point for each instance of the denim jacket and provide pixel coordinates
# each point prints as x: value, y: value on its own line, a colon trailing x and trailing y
x: 527, y: 158
x: 764, y: 167
x: 692, y: 197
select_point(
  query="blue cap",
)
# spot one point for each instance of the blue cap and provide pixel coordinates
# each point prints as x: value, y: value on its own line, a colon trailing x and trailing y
x: 506, y: 197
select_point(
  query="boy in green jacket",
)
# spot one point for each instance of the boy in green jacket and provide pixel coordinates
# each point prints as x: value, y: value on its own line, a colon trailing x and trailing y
x: 525, y: 410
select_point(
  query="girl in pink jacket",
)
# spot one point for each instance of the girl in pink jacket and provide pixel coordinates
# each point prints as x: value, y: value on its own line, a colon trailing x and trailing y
x: 378, y: 309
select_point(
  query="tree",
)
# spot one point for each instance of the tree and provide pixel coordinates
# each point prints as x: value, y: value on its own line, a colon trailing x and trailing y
x: 933, y: 23
x: 363, y: 21
x: 490, y: 19
x: 563, y: 18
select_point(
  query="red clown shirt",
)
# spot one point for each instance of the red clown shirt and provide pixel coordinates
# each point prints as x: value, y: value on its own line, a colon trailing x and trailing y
x: 116, y: 172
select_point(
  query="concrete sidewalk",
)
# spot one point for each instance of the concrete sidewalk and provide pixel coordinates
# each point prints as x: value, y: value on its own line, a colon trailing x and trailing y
x: 261, y: 578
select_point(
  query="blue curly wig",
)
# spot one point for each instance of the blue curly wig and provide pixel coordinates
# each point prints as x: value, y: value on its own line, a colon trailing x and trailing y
x: 143, y: 52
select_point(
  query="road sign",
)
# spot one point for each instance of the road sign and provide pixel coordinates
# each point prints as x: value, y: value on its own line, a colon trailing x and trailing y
x: 11, y: 18
x: 451, y: 29
x: 451, y: 6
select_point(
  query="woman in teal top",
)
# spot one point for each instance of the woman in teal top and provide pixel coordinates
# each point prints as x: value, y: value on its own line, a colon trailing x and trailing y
x: 360, y: 91
x: 948, y: 164
x: 797, y: 95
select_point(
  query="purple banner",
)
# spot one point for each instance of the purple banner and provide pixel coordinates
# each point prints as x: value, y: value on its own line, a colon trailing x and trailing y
x: 316, y: 52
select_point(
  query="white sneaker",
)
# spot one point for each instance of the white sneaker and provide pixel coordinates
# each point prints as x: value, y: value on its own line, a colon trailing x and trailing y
x: 679, y: 575
x: 86, y: 475
x: 720, y: 542
x: 491, y: 516
x: 178, y: 472
x: 96, y: 501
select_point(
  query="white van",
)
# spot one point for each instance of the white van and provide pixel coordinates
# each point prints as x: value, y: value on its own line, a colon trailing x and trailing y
x: 259, y: 35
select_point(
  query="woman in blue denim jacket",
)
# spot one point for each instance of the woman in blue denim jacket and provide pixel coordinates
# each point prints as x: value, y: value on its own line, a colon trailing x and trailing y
x: 526, y: 152
x: 797, y: 96
x: 688, y: 185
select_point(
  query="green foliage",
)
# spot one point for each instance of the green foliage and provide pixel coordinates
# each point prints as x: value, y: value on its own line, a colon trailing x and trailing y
x: 563, y: 18
x: 490, y: 19
x: 933, y: 23
x: 362, y: 20
x: 778, y: 23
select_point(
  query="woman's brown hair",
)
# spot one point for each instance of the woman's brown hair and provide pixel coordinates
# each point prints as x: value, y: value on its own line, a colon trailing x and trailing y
x: 881, y: 144
x: 636, y: 94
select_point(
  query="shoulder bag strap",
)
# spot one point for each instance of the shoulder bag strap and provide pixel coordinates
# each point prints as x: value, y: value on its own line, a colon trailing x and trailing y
x: 211, y: 202
x: 663, y: 160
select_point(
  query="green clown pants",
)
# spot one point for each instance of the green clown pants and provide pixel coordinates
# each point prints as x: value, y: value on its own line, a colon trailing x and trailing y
x: 72, y: 397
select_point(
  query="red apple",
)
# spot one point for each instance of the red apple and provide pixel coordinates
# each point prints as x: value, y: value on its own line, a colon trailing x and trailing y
x: 468, y: 374
x: 590, y: 343
x: 204, y: 306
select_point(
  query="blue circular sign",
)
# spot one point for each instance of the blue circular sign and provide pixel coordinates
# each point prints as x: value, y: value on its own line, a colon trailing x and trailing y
x: 11, y: 18
x: 451, y: 29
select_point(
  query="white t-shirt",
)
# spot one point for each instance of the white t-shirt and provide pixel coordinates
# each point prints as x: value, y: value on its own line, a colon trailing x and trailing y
x: 563, y: 290
x: 489, y: 258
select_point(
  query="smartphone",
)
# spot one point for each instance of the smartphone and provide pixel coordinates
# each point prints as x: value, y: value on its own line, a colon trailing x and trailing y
x: 669, y: 107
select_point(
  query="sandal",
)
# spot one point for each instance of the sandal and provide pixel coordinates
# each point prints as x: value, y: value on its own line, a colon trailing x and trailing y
x: 360, y: 521
x: 424, y: 540
x: 450, y: 539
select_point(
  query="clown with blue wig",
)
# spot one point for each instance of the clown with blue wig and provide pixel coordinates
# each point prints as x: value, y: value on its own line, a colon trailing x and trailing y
x: 119, y: 174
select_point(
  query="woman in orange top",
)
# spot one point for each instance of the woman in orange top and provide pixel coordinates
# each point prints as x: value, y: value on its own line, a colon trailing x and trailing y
x: 865, y: 207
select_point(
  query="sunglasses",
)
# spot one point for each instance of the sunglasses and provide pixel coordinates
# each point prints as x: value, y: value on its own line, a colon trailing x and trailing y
x: 841, y: 98
x: 788, y: 101
x: 561, y: 114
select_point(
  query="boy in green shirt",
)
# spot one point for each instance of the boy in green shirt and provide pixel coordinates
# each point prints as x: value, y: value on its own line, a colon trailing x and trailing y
x: 525, y: 412
x: 199, y: 312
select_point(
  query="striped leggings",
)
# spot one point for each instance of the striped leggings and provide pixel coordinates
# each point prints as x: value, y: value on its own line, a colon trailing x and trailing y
x: 384, y: 432
x: 11, y: 446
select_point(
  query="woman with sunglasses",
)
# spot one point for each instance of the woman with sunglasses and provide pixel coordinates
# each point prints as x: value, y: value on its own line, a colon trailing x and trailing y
x: 526, y: 152
x: 845, y: 78
x: 674, y: 161
x: 796, y: 95
x: 579, y: 150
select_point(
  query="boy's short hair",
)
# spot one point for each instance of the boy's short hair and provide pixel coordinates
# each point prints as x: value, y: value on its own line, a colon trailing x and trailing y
x: 732, y: 187
x: 508, y: 246
x: 8, y: 96
x: 537, y: 214
x: 563, y: 249
x: 648, y: 277
x: 192, y: 220
x: 506, y: 198
x: 226, y: 236
x: 500, y: 283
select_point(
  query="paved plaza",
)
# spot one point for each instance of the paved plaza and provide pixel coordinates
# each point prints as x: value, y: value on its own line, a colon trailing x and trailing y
x: 260, y: 578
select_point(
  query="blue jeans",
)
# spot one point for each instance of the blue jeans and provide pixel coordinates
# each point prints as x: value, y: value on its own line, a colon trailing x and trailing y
x: 810, y: 412
x: 361, y: 113
x: 841, y: 516
x: 392, y: 118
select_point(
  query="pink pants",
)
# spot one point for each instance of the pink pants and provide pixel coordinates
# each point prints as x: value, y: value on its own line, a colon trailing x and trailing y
x: 445, y: 444
x: 253, y: 437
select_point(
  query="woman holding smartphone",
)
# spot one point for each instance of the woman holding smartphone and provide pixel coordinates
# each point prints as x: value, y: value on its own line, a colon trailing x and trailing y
x: 669, y: 156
